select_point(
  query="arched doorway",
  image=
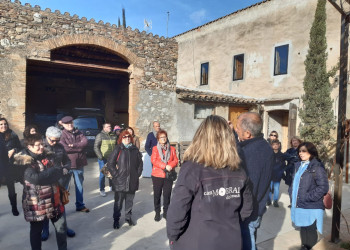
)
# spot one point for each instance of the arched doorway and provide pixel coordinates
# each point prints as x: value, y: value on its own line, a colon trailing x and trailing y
x: 79, y: 75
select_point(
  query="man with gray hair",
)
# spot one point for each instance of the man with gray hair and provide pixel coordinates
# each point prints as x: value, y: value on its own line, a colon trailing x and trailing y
x: 151, y: 141
x: 52, y: 145
x: 259, y: 159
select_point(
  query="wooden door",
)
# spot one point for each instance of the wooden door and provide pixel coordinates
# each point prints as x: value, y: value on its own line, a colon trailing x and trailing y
x: 234, y: 112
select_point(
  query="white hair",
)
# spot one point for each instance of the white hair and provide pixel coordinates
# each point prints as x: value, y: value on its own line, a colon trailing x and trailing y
x: 53, y: 132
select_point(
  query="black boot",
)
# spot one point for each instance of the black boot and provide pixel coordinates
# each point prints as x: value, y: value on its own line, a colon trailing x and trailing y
x: 13, y: 201
x: 116, y: 224
x: 157, y: 217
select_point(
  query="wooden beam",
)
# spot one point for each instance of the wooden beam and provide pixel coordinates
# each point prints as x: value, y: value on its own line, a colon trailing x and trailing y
x: 90, y: 66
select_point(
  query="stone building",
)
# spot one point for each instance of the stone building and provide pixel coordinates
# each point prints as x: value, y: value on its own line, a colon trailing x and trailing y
x: 51, y: 61
x: 253, y: 59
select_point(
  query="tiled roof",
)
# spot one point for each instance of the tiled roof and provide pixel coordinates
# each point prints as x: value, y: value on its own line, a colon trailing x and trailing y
x: 233, y: 13
x: 211, y: 96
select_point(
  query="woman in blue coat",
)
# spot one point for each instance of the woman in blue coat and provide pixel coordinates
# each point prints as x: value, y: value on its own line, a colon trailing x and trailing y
x: 309, y: 185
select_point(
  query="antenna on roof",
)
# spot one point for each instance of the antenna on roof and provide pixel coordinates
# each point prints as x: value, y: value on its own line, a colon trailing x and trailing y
x: 147, y: 24
x: 167, y: 24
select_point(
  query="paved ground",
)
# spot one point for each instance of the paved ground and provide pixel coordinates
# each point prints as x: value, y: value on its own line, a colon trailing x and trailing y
x: 94, y: 230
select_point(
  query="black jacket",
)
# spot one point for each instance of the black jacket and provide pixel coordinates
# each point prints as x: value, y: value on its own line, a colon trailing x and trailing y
x: 206, y: 206
x: 130, y: 165
x: 259, y: 160
x: 4, y: 159
x: 292, y: 158
x: 60, y: 156
x: 279, y: 166
x: 312, y: 187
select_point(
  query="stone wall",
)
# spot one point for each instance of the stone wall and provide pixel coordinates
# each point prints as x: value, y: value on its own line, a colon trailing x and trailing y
x: 29, y: 32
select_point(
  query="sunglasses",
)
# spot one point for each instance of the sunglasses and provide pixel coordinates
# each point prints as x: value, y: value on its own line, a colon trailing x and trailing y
x: 303, y: 150
x: 56, y: 141
x: 126, y: 136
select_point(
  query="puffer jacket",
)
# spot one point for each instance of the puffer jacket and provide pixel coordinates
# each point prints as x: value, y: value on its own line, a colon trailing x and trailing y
x: 104, y: 144
x: 159, y: 166
x: 76, y: 154
x: 41, y: 195
x: 312, y: 187
x: 130, y: 166
x: 206, y: 207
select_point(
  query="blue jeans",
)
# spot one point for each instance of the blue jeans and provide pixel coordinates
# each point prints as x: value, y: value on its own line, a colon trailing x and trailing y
x: 102, y: 176
x: 275, y: 186
x: 249, y: 228
x: 78, y: 176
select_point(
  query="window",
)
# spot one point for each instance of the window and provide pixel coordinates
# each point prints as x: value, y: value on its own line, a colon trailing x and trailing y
x: 238, y: 67
x: 281, y: 60
x: 201, y: 111
x: 204, y: 73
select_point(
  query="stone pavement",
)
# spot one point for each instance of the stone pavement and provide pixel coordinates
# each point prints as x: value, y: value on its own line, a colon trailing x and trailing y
x: 94, y: 230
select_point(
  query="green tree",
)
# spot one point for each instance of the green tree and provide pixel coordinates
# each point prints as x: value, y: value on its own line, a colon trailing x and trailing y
x: 124, y: 20
x: 317, y: 114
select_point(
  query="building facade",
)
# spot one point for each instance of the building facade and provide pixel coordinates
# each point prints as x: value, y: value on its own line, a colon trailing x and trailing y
x: 253, y: 59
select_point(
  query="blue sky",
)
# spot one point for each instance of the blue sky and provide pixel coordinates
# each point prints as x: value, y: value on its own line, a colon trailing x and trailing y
x: 183, y: 14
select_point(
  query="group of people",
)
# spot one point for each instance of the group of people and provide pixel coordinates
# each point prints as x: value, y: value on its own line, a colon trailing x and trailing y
x: 219, y: 197
x: 225, y: 182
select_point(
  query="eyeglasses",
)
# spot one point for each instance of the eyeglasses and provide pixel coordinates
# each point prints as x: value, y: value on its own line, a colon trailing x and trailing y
x: 53, y: 141
x: 303, y: 150
x: 273, y: 135
x: 126, y: 136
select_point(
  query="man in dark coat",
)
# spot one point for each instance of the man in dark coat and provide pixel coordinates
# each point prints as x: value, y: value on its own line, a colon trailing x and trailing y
x: 151, y: 141
x: 259, y: 160
x: 74, y: 142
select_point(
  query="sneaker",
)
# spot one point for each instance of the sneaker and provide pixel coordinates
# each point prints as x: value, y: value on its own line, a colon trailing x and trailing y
x: 70, y: 232
x: 103, y: 193
x: 157, y: 217
x: 268, y: 203
x: 275, y: 204
x: 84, y: 209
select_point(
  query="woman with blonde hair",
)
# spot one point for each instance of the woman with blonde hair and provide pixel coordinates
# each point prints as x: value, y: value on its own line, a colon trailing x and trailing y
x: 211, y: 193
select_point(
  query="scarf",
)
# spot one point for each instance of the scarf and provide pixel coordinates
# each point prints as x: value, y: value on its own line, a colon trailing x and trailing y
x: 127, y: 145
x: 164, y: 157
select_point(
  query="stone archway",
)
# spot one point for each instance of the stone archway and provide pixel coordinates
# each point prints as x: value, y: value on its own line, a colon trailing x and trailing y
x: 135, y: 70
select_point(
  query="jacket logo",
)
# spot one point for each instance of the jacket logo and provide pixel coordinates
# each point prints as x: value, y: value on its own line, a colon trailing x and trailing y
x: 230, y: 192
